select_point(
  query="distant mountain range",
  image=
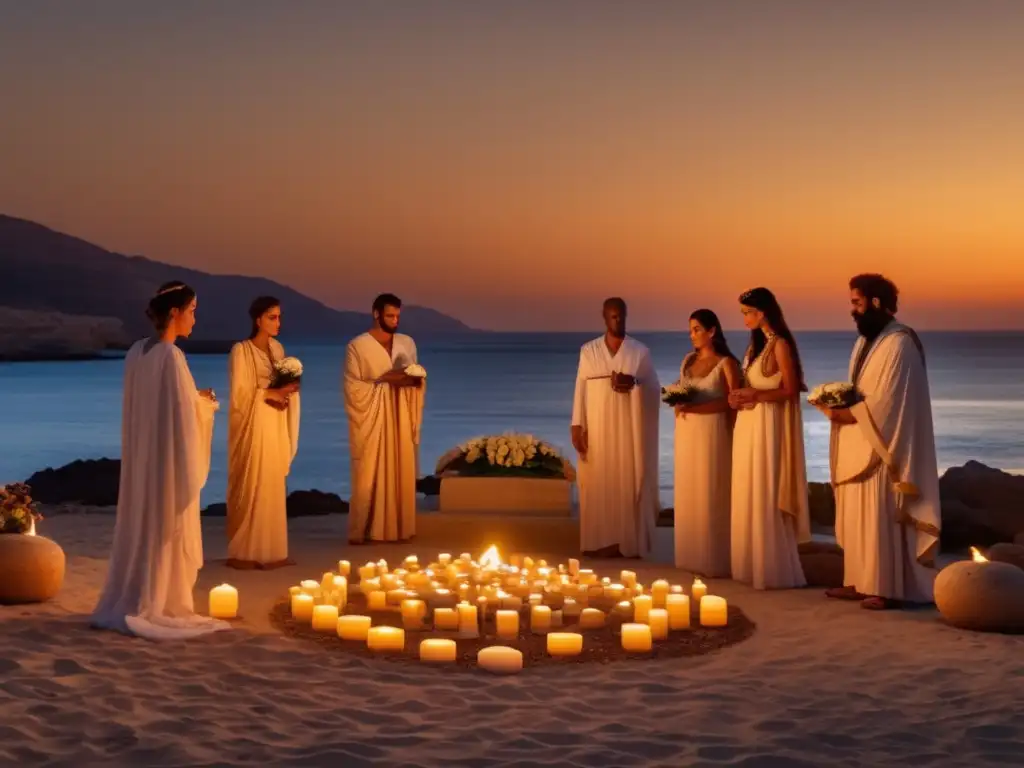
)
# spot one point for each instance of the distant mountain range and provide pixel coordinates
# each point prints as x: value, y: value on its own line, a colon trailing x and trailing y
x: 47, y: 271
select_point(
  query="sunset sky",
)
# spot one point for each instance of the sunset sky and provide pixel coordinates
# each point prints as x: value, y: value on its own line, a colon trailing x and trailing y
x: 514, y: 163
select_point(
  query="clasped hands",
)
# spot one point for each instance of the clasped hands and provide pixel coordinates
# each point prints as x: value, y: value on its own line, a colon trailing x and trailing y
x: 278, y: 398
x: 623, y: 383
x: 743, y: 399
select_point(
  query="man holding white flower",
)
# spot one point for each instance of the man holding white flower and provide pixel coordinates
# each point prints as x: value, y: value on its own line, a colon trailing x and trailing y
x: 884, y: 471
x: 383, y: 387
x: 615, y: 433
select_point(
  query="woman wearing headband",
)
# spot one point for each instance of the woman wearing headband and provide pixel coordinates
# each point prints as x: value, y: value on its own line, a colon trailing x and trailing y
x: 770, y: 513
x: 263, y: 436
x: 167, y: 426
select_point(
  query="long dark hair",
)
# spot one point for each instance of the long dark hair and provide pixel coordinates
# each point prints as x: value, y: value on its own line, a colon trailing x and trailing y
x: 172, y: 295
x: 764, y: 300
x: 259, y: 307
x: 709, y: 321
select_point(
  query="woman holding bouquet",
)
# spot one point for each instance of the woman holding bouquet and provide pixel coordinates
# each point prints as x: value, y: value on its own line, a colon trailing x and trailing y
x: 770, y: 515
x: 263, y: 436
x: 703, y: 450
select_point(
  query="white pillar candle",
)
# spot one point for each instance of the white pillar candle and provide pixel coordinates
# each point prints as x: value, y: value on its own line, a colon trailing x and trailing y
x: 444, y: 560
x: 437, y: 650
x: 628, y: 578
x: 468, y: 620
x: 388, y: 582
x: 500, y: 660
x: 310, y: 587
x: 302, y: 608
x: 570, y: 607
x: 382, y: 567
x: 223, y: 602
x: 586, y: 576
x: 714, y: 612
x: 353, y: 627
x: 413, y: 614
x: 344, y: 568
x: 698, y: 590
x: 377, y: 601
x: 540, y: 619
x: 659, y: 591
x: 385, y: 639
x: 565, y: 643
x: 395, y: 597
x: 657, y: 619
x: 636, y: 638
x: 367, y: 571
x: 327, y: 581
x: 623, y: 611
x: 293, y: 591
x: 591, y: 618
x: 678, y: 607
x: 370, y: 585
x: 446, y: 619
x: 677, y: 589
x: 507, y: 623
x: 642, y: 605
x: 325, y: 618
x: 614, y: 592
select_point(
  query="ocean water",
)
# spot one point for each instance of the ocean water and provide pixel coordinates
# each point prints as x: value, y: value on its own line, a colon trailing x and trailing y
x: 56, y: 412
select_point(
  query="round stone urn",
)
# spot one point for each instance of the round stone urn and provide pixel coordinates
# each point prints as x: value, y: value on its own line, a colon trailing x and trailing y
x: 983, y: 596
x: 31, y: 568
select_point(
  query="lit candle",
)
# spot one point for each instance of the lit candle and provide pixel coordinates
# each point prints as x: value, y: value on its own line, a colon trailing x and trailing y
x: 327, y: 581
x: 565, y: 643
x: 344, y: 568
x: 614, y: 592
x: 437, y: 650
x: 325, y: 618
x: 377, y: 601
x: 507, y: 623
x: 678, y: 607
x: 302, y: 608
x: 698, y: 590
x: 223, y: 602
x: 385, y: 639
x: 642, y: 605
x: 310, y: 587
x: 382, y: 567
x: 293, y: 591
x: 570, y: 607
x: 677, y: 589
x: 367, y: 572
x: 540, y: 619
x: 659, y: 591
x: 591, y: 618
x: 413, y: 613
x: 628, y: 578
x: 395, y: 596
x: 352, y: 627
x: 574, y: 566
x: 636, y: 638
x: 586, y: 576
x: 657, y: 619
x: 444, y: 560
x: 446, y: 619
x: 500, y: 660
x: 468, y: 626
x: 511, y: 602
x: 714, y: 612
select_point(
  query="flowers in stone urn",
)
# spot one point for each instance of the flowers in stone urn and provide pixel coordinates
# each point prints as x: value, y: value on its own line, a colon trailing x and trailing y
x: 18, y: 513
x: 503, y: 455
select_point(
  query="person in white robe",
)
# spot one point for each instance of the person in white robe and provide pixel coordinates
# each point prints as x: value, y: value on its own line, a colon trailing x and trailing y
x: 883, y: 463
x: 166, y: 433
x: 703, y: 451
x: 615, y: 433
x: 770, y: 509
x: 263, y: 438
x: 384, y: 405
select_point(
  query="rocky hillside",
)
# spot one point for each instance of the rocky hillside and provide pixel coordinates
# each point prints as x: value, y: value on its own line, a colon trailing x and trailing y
x: 29, y: 335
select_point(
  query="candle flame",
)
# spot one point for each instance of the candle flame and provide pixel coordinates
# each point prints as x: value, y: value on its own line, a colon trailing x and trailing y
x: 32, y: 529
x: 977, y: 557
x: 491, y: 558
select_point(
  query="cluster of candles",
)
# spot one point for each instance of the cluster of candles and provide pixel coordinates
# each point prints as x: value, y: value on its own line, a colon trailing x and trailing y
x: 454, y: 597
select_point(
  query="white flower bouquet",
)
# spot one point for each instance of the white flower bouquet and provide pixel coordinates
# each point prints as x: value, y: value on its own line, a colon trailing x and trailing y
x: 416, y: 371
x: 680, y: 393
x: 837, y: 394
x: 287, y: 370
x: 502, y: 455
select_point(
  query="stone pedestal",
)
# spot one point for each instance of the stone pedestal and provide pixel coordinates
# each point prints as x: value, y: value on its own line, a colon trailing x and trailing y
x: 532, y: 496
x: 31, y: 568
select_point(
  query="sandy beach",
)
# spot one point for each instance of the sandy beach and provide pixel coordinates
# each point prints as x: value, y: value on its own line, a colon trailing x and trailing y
x: 820, y: 683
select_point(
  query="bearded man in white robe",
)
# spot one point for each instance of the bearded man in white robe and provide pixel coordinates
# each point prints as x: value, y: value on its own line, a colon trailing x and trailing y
x: 615, y: 433
x: 884, y: 472
x: 384, y: 405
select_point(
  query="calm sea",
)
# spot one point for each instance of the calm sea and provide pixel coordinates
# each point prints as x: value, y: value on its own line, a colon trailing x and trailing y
x: 57, y: 412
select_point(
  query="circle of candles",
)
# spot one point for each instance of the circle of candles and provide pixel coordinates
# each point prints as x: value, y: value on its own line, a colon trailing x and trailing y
x: 636, y: 638
x: 413, y: 613
x: 500, y: 660
x: 642, y: 605
x: 678, y: 607
x: 353, y: 627
x: 657, y: 620
x: 591, y: 618
x: 540, y: 618
x: 446, y: 619
x: 376, y: 601
x: 565, y: 643
x: 507, y: 623
x: 698, y: 590
x: 302, y: 608
x: 714, y: 611
x: 385, y: 639
x: 437, y: 650
x: 325, y: 618
x: 223, y: 602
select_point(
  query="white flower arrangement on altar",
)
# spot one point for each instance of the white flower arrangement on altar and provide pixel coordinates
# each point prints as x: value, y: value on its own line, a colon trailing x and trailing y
x: 837, y: 394
x: 416, y: 371
x: 503, y: 455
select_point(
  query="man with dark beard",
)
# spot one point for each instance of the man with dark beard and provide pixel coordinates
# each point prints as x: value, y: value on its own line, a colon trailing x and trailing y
x: 883, y: 462
x: 384, y: 388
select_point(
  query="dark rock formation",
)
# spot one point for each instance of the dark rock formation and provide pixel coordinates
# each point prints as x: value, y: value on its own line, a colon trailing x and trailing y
x: 822, y: 563
x: 299, y: 504
x: 429, y: 485
x: 1007, y: 553
x: 92, y: 482
x: 981, y: 506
